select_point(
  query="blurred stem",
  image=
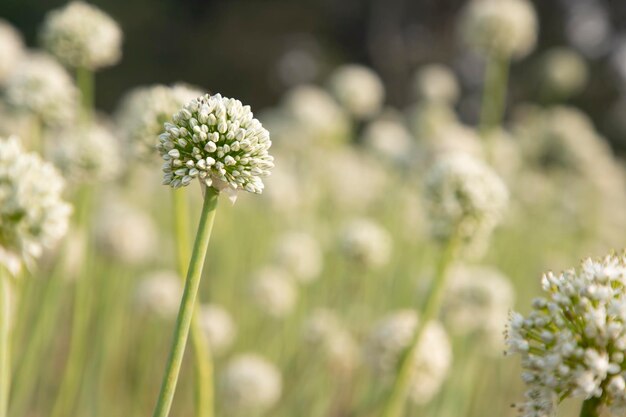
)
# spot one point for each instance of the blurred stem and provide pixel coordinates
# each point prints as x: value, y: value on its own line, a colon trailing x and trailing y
x: 70, y: 382
x: 85, y: 82
x: 36, y: 135
x: 590, y: 408
x: 5, y: 329
x: 187, y: 305
x: 493, y: 101
x: 204, y: 392
x: 397, y: 398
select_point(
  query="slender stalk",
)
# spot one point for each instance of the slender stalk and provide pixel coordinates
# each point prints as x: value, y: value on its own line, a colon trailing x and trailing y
x: 36, y: 134
x: 185, y: 313
x: 5, y: 329
x: 85, y: 82
x: 493, y: 101
x: 396, y: 401
x: 204, y: 396
x: 590, y: 408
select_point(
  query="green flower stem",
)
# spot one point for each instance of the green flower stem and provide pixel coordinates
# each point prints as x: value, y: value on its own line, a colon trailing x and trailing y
x: 36, y: 134
x: 187, y: 305
x: 204, y: 392
x: 397, y: 398
x: 5, y: 329
x: 493, y: 101
x: 590, y: 408
x: 85, y: 82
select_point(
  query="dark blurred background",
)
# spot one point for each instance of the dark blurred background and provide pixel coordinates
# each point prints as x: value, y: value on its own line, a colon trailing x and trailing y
x: 256, y: 49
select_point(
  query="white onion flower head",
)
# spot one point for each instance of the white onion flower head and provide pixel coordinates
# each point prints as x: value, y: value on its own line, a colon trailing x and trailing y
x: 389, y: 340
x: 86, y: 153
x: 82, y: 36
x: 314, y: 115
x: 573, y: 343
x: 143, y: 111
x: 300, y: 254
x: 218, y: 141
x: 33, y: 215
x: 478, y: 300
x: 563, y: 72
x: 389, y: 138
x: 11, y: 49
x: 126, y: 233
x: 250, y: 385
x: 40, y: 86
x: 436, y: 83
x: 366, y: 242
x: 273, y: 292
x: 218, y: 326
x: 358, y: 89
x: 159, y: 293
x: 507, y: 28
x: 466, y: 200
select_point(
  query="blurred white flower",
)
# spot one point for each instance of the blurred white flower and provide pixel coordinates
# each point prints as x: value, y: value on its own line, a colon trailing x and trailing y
x: 573, y: 342
x: 389, y: 340
x: 436, y: 83
x: 218, y: 326
x: 507, y: 28
x: 40, y: 86
x: 273, y: 292
x: 33, y: 215
x: 427, y: 120
x: 358, y: 89
x: 217, y: 140
x: 125, y: 232
x: 314, y: 117
x: 143, y: 111
x: 588, y: 27
x: 387, y: 137
x: 11, y: 49
x: 466, y: 200
x: 300, y: 254
x: 159, y: 293
x: 563, y: 72
x: 86, y: 153
x: 81, y: 35
x: 478, y: 299
x: 366, y: 243
x: 249, y: 385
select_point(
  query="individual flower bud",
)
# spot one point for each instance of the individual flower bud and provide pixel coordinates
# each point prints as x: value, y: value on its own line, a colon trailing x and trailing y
x: 389, y: 341
x: 218, y: 326
x: 81, y: 35
x: 358, y: 89
x: 466, y: 200
x: 159, y: 294
x: 507, y: 28
x: 38, y: 85
x: 143, y: 111
x: 125, y: 233
x: 33, y: 215
x: 218, y: 141
x: 11, y: 49
x: 299, y: 254
x: 249, y: 385
x: 572, y: 344
x: 87, y: 153
x: 436, y: 83
x: 478, y: 300
x: 273, y: 292
x: 366, y: 243
x: 562, y: 72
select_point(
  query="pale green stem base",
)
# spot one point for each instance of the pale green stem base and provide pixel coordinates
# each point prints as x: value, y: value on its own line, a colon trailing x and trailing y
x: 204, y: 392
x: 590, y: 408
x: 397, y: 398
x: 5, y: 330
x: 493, y: 101
x: 187, y: 305
x: 85, y: 82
